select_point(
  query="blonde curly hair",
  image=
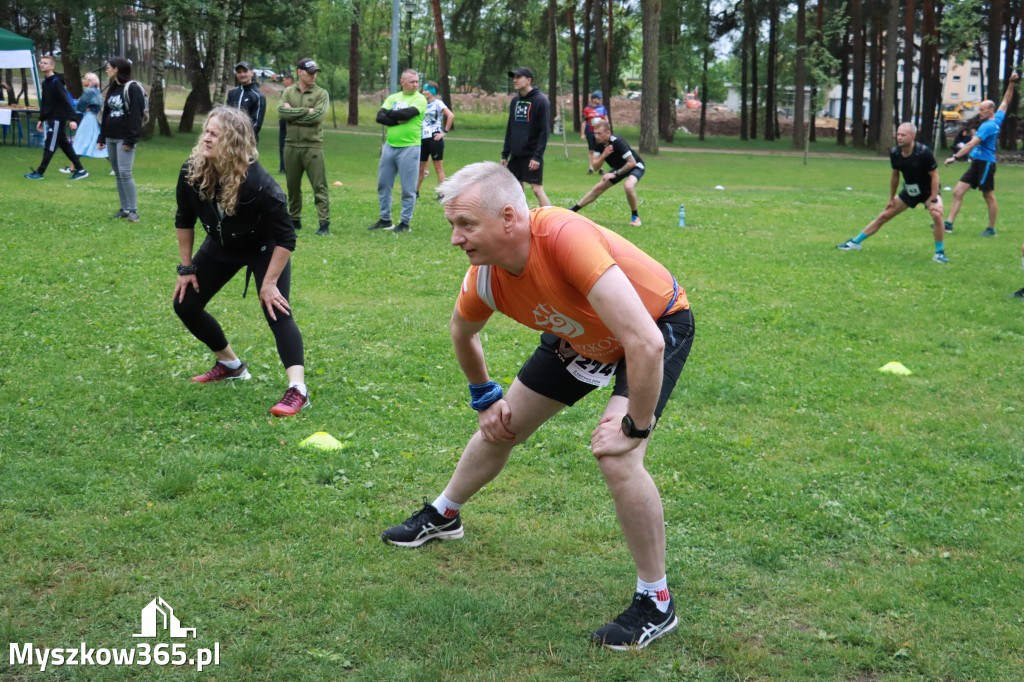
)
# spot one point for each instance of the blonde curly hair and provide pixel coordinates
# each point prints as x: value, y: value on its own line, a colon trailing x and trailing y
x: 221, y: 177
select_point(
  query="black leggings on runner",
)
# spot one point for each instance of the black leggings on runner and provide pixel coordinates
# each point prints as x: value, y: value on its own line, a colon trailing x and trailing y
x: 213, y: 273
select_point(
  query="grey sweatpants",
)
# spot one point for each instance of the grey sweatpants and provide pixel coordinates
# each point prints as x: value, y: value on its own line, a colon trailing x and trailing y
x: 405, y: 163
x: 122, y: 161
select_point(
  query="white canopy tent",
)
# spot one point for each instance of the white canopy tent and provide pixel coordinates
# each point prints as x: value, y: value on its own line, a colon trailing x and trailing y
x: 17, y: 52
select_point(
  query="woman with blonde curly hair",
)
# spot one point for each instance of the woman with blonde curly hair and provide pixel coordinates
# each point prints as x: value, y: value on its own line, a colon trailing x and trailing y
x: 245, y: 216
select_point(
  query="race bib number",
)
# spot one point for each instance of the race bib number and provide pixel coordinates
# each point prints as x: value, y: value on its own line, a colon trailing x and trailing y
x: 593, y: 372
x: 913, y: 190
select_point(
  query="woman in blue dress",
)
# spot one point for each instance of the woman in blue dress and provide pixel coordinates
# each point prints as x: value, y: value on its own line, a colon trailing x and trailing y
x: 89, y: 106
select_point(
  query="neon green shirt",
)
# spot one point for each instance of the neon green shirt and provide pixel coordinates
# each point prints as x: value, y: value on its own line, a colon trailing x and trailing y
x: 406, y: 134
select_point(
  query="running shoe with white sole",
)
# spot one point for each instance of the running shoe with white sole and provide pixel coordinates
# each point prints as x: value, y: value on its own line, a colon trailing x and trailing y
x: 425, y: 525
x: 637, y: 626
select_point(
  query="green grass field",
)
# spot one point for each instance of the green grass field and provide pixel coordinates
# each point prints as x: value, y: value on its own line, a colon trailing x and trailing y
x: 825, y: 521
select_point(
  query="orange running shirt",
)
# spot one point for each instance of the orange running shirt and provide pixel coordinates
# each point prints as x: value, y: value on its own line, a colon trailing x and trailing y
x: 568, y: 254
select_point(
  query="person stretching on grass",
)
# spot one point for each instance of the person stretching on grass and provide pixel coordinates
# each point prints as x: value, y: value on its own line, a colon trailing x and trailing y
x: 245, y: 215
x: 605, y: 310
x: 625, y: 163
x: 920, y: 186
x: 982, y: 150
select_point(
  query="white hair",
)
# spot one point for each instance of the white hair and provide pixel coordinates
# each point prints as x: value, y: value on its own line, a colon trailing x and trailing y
x: 908, y: 124
x: 499, y: 188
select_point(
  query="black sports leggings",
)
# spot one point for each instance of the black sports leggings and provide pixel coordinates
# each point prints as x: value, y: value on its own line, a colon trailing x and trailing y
x: 213, y: 273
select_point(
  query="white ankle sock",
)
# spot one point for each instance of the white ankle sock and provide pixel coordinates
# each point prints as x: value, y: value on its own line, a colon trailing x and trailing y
x: 658, y: 591
x: 446, y: 507
x: 231, y: 364
x: 302, y: 388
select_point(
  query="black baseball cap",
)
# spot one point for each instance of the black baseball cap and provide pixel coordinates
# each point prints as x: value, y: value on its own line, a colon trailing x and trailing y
x: 243, y: 65
x: 308, y: 65
x: 521, y: 71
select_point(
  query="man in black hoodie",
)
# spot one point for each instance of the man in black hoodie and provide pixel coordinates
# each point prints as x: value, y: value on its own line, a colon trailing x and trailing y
x: 527, y: 133
x: 247, y: 97
x: 54, y: 109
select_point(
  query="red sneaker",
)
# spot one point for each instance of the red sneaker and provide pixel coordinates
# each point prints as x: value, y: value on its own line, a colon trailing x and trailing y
x: 221, y: 371
x: 291, y: 404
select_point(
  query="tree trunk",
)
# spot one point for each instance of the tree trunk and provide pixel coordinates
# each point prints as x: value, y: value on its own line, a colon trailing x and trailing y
x: 553, y: 110
x: 908, y: 61
x: 651, y: 11
x: 931, y: 92
x: 770, y: 114
x: 799, y: 76
x: 859, y: 53
x: 995, y: 53
x: 198, y: 100
x: 888, y: 118
x: 844, y: 86
x: 744, y: 71
x: 442, y: 54
x: 157, y: 114
x: 748, y: 14
x: 1008, y: 133
x: 602, y: 45
x: 704, y: 71
x: 353, y: 69
x: 812, y: 134
x: 668, y: 40
x: 69, y: 61
x: 588, y: 42
x: 220, y: 68
x: 574, y: 55
x: 606, y: 77
x: 875, y: 83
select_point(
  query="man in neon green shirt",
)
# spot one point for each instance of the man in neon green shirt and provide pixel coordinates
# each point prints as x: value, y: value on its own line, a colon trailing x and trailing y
x: 402, y: 113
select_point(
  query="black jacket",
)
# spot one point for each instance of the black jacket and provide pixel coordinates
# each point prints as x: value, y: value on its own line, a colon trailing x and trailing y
x: 249, y: 99
x: 55, y: 104
x: 527, y: 131
x: 261, y: 216
x: 121, y: 121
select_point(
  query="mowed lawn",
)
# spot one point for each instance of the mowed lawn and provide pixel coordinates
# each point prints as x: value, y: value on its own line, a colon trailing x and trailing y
x: 825, y: 520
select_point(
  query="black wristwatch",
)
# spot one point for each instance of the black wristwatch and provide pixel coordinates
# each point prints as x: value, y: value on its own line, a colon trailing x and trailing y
x: 187, y: 269
x: 629, y: 428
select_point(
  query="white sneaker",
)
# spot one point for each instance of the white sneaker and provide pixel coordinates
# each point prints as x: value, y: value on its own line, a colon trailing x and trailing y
x: 849, y: 245
x: 66, y: 170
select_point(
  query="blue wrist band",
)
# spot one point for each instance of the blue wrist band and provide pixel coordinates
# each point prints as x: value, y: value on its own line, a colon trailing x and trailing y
x: 483, y: 396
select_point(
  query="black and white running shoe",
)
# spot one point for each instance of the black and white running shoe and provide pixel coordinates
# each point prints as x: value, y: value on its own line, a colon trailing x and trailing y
x: 425, y: 525
x: 637, y: 626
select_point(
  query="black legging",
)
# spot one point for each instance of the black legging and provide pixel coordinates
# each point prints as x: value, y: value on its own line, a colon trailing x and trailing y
x: 56, y: 137
x: 213, y: 273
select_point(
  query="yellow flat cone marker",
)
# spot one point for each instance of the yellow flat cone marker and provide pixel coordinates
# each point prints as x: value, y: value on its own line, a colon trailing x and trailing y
x: 321, y: 440
x: 895, y: 368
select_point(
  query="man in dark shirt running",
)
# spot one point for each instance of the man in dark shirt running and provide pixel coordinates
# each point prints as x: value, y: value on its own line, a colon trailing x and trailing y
x: 920, y: 186
x: 625, y: 163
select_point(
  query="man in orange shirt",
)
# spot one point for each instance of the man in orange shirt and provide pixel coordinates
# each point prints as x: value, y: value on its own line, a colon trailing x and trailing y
x: 606, y: 310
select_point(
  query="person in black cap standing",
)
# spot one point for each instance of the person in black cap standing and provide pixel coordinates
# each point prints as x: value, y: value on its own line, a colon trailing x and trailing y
x: 527, y: 133
x: 304, y: 107
x: 247, y: 97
